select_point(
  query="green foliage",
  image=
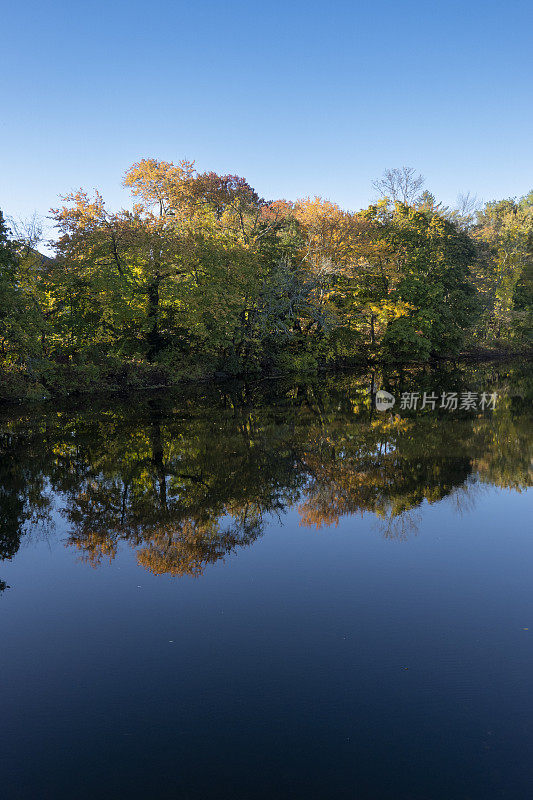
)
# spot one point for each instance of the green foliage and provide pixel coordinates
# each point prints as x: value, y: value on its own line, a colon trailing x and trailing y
x: 202, y: 277
x: 504, y: 271
x: 19, y: 321
x: 434, y: 260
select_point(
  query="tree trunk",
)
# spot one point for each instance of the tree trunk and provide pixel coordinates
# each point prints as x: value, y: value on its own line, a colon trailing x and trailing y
x: 153, y: 337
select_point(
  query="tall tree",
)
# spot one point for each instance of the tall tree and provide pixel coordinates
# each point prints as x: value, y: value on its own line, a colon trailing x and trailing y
x: 400, y: 185
x: 433, y: 258
x: 504, y: 269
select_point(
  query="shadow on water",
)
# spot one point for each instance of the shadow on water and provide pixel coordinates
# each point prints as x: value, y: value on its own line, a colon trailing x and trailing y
x: 185, y: 478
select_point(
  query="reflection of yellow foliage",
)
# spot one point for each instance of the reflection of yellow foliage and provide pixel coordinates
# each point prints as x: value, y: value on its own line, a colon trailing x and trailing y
x: 94, y: 547
x: 392, y: 424
x: 185, y: 488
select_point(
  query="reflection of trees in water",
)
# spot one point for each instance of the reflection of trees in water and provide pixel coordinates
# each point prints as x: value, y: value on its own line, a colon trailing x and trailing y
x: 24, y: 499
x: 185, y: 484
x: 399, y: 527
x: 464, y: 498
x: 177, y: 547
x: 25, y: 496
x: 183, y: 492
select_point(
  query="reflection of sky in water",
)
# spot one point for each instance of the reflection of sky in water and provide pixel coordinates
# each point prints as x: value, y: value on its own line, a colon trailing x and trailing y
x: 319, y: 660
x: 288, y: 602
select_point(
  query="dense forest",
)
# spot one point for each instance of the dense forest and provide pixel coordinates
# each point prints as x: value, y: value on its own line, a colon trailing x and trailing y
x: 201, y: 277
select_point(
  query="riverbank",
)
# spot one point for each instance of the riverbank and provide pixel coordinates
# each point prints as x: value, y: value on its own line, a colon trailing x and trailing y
x: 52, y: 380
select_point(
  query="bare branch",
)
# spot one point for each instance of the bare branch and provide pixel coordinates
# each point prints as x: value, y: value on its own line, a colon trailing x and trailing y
x: 401, y: 185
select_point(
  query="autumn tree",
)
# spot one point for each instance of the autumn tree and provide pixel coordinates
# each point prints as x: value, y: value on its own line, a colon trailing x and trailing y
x: 135, y: 277
x: 200, y: 276
x: 504, y: 268
x: 432, y: 258
x: 20, y: 318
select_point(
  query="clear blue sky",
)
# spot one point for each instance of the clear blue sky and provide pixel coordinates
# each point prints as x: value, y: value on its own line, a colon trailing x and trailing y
x: 300, y: 98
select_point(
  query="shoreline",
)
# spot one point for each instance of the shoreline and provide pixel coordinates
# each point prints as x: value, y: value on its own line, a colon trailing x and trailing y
x: 134, y: 384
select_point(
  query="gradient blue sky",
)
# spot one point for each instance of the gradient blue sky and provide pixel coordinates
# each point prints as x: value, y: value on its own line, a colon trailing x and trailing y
x: 301, y: 98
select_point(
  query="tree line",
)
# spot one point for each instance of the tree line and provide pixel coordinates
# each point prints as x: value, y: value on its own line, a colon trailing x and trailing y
x: 203, y: 277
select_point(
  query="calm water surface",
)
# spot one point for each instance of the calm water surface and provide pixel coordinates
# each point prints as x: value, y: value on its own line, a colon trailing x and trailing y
x: 270, y: 591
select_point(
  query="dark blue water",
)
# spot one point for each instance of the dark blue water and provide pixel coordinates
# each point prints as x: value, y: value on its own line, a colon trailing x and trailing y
x: 354, y: 635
